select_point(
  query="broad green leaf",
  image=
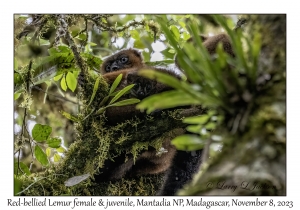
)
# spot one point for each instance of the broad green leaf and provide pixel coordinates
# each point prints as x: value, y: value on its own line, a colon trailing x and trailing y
x: 122, y: 92
x: 126, y: 102
x: 58, y: 77
x: 23, y: 167
x: 188, y: 142
x: 175, y: 31
x: 76, y: 180
x: 16, y: 95
x: 40, y: 155
x: 186, y: 35
x: 63, y: 84
x: 211, y: 125
x: 182, y: 24
x: 82, y: 36
x: 135, y: 34
x: 71, y: 81
x: 48, y: 151
x: 165, y: 100
x: 138, y: 44
x: 41, y: 132
x: 54, y: 142
x: 60, y: 149
x: 115, y: 83
x: 69, y: 116
x: 96, y: 85
x: 172, y: 51
x: 194, y: 128
x: 56, y: 157
x: 164, y: 78
x: 197, y: 119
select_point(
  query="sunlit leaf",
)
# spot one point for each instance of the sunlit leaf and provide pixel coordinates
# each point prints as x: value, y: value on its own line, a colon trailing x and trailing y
x: 76, y: 180
x: 17, y: 95
x: 115, y: 83
x: 176, y: 32
x: 138, y: 44
x: 60, y: 149
x: 188, y: 142
x: 58, y: 77
x: 40, y: 155
x: 186, y: 35
x: 71, y: 81
x: 135, y: 34
x: 63, y: 84
x: 211, y: 125
x: 48, y: 151
x: 182, y: 24
x: 165, y: 100
x: 54, y: 142
x: 41, y: 132
x: 82, y: 36
x: 56, y: 157
x: 194, y: 128
x: 197, y: 119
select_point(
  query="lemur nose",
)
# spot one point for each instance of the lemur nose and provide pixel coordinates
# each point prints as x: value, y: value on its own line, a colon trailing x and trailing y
x: 114, y: 66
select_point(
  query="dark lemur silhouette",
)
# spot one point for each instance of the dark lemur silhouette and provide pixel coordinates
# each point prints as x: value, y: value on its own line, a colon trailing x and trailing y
x: 179, y: 166
x: 128, y: 62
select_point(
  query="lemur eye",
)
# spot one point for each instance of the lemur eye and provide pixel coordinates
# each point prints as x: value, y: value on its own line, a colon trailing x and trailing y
x: 124, y: 59
x: 107, y: 68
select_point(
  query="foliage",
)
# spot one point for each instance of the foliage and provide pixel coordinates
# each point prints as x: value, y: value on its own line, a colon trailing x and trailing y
x: 63, y: 51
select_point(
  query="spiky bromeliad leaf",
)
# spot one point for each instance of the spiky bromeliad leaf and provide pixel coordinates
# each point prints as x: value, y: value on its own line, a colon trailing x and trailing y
x: 188, y: 142
x: 121, y: 93
x: 96, y: 85
x: 115, y: 83
x: 165, y: 100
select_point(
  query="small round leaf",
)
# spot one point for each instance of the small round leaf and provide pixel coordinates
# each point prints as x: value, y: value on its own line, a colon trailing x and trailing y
x: 41, y: 132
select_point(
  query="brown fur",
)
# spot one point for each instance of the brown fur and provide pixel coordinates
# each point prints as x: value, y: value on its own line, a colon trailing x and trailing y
x: 115, y: 61
x: 211, y: 43
x: 149, y: 162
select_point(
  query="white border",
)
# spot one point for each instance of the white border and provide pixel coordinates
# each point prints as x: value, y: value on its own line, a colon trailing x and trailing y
x: 141, y: 7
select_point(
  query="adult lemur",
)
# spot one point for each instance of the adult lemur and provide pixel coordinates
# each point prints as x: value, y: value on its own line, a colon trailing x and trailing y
x: 179, y: 166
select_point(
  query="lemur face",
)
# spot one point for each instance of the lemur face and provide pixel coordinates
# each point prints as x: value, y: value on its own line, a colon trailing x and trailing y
x: 124, y: 59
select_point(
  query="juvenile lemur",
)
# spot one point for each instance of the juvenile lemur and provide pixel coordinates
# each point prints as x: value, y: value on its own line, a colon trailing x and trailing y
x: 178, y: 165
